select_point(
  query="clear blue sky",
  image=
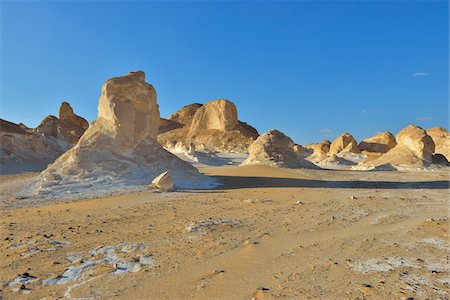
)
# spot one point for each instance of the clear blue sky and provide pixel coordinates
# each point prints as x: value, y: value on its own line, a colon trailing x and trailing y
x: 311, y: 69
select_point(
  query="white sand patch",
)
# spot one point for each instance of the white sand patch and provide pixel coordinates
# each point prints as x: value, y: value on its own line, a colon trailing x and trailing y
x: 202, y: 226
x: 386, y: 264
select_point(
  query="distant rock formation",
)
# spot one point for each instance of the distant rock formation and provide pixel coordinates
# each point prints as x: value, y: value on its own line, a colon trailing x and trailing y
x: 320, y: 149
x: 441, y: 139
x: 68, y: 127
x: 380, y: 143
x: 185, y: 115
x: 212, y: 127
x: 413, y: 151
x: 30, y: 150
x: 335, y: 161
x: 345, y: 143
x: 119, y: 149
x: 275, y: 149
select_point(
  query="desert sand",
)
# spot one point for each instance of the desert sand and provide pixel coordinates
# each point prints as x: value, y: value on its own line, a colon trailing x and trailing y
x: 265, y: 233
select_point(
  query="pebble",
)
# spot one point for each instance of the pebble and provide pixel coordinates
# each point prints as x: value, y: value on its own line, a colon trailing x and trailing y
x: 262, y: 288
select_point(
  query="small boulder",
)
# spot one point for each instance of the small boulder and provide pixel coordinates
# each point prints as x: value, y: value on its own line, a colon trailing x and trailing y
x: 163, y: 182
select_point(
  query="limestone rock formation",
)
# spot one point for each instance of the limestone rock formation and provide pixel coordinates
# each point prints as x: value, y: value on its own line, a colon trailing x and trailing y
x: 72, y: 126
x: 167, y: 125
x: 380, y: 143
x: 345, y: 143
x: 185, y: 115
x: 25, y: 149
x: 118, y: 151
x: 22, y: 150
x: 219, y: 114
x: 441, y: 139
x: 211, y: 127
x: 274, y: 148
x: 413, y: 151
x: 320, y: 149
x: 68, y: 127
x: 163, y: 182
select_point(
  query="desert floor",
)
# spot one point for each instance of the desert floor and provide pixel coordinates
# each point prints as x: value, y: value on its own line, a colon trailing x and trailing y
x: 266, y: 234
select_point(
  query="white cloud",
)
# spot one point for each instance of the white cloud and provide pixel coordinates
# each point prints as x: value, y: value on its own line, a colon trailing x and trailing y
x: 419, y: 74
x: 421, y: 119
x: 325, y: 130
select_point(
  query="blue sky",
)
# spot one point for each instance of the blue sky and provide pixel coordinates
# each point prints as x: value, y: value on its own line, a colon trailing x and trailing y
x: 312, y: 69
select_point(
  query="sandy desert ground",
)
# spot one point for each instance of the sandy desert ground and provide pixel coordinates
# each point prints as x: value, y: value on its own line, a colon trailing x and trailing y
x: 267, y: 233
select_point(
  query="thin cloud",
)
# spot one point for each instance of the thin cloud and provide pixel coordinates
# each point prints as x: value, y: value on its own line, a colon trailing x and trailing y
x: 421, y: 119
x: 419, y: 74
x: 325, y: 130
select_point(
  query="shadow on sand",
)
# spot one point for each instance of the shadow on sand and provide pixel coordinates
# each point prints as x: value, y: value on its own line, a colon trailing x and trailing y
x: 236, y: 182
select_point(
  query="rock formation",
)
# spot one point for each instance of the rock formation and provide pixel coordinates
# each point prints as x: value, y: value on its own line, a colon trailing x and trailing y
x: 345, y: 143
x: 119, y: 150
x: 380, y: 143
x: 320, y: 149
x: 185, y: 115
x: 441, y: 139
x: 29, y: 150
x: 21, y: 150
x: 413, y: 151
x: 219, y: 114
x: 212, y: 127
x: 275, y: 149
x: 68, y: 127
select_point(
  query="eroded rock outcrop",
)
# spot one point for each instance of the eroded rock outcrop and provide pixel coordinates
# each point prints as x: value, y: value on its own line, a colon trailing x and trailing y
x: 25, y: 149
x: 119, y: 150
x: 413, y: 151
x: 320, y: 149
x: 67, y: 127
x: 275, y: 149
x: 345, y: 143
x: 211, y: 127
x: 441, y: 139
x: 380, y: 143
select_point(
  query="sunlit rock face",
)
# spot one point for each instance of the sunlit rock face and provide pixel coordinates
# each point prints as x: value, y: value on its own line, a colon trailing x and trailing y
x: 218, y: 114
x: 441, y: 139
x: 211, y: 127
x: 128, y: 106
x: 414, y: 150
x: 345, y: 143
x: 380, y: 143
x: 119, y: 149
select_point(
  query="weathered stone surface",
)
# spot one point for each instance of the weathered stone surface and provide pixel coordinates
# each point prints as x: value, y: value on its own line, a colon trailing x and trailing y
x: 274, y: 148
x: 71, y: 126
x: 381, y: 143
x: 22, y: 150
x: 417, y: 140
x: 119, y: 149
x: 163, y: 182
x: 217, y: 114
x: 320, y: 149
x: 185, y: 115
x: 67, y: 128
x: 441, y: 139
x: 128, y: 107
x: 344, y: 144
x: 212, y: 127
x: 413, y: 151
